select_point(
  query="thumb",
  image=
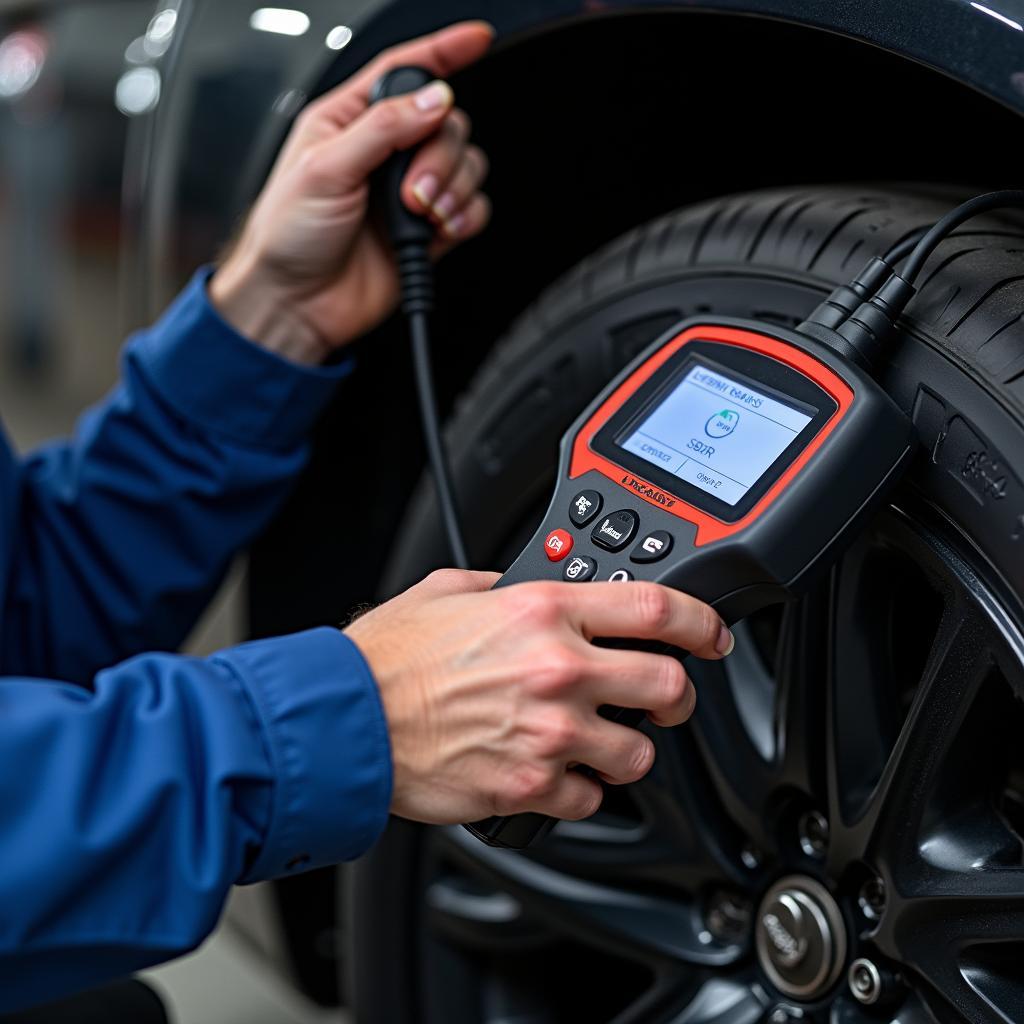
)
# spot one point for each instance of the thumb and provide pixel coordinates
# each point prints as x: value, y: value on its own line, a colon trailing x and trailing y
x: 344, y: 162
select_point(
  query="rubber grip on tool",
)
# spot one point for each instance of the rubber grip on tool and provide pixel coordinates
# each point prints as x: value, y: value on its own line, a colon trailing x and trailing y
x: 403, y: 226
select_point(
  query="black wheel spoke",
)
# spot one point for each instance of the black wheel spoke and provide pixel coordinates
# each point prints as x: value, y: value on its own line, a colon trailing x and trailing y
x: 960, y: 661
x: 760, y: 725
x: 912, y: 1011
x: 634, y: 924
x: 739, y: 773
x: 679, y: 836
x: 956, y: 909
x: 723, y: 1001
x: 849, y: 1011
x: 800, y: 701
x: 681, y: 800
x: 477, y: 919
x: 857, y: 731
x: 709, y: 1001
x: 892, y: 716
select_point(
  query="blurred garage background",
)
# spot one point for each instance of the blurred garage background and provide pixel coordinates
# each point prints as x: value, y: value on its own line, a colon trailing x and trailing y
x: 75, y: 83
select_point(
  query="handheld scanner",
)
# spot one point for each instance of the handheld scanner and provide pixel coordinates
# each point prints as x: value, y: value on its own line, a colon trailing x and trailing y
x: 731, y: 460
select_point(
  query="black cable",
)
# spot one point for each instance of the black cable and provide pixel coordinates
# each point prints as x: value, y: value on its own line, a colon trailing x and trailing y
x: 411, y: 236
x: 941, y: 229
x: 903, y: 249
x: 419, y: 335
x: 416, y: 277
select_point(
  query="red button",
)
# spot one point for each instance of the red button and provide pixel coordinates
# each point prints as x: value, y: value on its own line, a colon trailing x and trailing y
x: 558, y: 545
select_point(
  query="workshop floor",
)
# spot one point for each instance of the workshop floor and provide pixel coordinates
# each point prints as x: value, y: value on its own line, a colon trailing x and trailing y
x: 229, y: 981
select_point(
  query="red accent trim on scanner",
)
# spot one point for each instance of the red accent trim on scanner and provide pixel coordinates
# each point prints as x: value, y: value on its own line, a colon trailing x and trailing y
x: 709, y: 528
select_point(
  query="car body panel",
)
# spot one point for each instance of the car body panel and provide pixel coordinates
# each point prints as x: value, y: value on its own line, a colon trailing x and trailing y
x: 980, y: 44
x: 215, y: 49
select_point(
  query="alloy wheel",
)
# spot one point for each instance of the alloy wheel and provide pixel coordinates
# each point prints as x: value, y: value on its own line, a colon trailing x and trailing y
x: 838, y: 836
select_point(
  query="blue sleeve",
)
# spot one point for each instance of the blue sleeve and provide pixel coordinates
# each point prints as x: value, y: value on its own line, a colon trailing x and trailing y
x: 128, y: 809
x: 112, y: 543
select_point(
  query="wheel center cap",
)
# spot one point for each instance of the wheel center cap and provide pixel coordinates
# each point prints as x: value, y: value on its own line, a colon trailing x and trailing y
x: 801, y: 937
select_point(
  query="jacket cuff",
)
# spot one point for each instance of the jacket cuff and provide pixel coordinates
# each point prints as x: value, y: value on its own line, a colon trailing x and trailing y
x: 224, y: 383
x: 328, y: 744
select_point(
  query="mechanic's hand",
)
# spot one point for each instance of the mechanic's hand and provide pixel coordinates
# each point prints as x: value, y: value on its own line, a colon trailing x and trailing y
x: 491, y: 696
x: 310, y: 272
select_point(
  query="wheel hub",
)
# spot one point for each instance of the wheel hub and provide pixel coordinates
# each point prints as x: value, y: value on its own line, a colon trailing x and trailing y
x: 801, y: 937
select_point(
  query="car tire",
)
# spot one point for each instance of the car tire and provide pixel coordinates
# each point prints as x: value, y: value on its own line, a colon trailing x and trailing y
x: 958, y: 370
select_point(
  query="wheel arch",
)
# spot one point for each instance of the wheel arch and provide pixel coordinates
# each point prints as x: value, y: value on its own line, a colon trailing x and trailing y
x: 634, y: 152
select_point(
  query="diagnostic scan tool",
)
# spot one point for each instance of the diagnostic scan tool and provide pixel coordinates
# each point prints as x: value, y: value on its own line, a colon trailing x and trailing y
x: 731, y: 460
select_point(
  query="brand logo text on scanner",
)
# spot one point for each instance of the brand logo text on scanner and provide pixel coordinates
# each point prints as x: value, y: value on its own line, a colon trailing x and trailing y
x: 709, y: 380
x: 647, y: 491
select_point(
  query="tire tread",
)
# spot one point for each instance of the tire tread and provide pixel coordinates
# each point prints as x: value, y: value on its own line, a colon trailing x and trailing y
x: 972, y: 291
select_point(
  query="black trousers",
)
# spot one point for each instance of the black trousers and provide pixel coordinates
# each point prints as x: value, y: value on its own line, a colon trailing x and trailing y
x: 123, y: 1002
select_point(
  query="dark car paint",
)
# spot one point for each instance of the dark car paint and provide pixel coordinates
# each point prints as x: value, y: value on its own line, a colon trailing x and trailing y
x: 977, y: 45
x: 981, y: 45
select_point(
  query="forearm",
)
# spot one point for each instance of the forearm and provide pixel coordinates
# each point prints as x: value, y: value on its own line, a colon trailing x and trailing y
x: 129, y: 811
x: 124, y: 531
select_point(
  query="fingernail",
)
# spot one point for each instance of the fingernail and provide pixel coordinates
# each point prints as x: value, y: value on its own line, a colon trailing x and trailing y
x: 445, y: 206
x: 725, y: 643
x: 435, y: 95
x: 426, y: 189
x: 454, y: 227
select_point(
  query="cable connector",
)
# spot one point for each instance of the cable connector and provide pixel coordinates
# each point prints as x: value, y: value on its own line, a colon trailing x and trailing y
x: 863, y: 334
x: 868, y: 329
x: 847, y: 297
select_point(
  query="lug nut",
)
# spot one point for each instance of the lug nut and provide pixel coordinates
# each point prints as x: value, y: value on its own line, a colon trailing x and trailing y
x: 728, y: 916
x: 813, y: 827
x: 870, y: 984
x: 872, y: 899
x: 751, y: 857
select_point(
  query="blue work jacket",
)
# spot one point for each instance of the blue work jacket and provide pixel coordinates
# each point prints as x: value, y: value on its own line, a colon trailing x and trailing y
x: 135, y: 793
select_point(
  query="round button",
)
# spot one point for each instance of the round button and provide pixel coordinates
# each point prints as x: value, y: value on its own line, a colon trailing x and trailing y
x: 584, y: 507
x: 654, y: 546
x: 620, y: 576
x: 616, y: 530
x: 579, y: 569
x: 558, y: 545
